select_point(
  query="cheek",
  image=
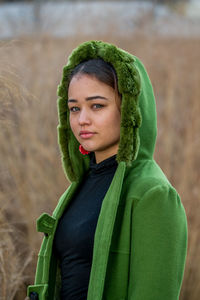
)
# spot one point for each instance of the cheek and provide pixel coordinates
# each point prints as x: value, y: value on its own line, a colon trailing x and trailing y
x: 115, y: 120
x: 111, y: 122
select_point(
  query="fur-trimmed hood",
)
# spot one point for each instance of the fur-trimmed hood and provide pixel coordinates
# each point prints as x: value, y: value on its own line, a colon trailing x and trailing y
x: 138, y: 128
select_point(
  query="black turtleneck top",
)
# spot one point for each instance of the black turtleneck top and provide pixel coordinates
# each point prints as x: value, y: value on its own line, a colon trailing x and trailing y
x: 74, y: 238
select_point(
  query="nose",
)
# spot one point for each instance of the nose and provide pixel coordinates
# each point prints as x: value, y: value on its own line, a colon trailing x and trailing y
x: 84, y: 118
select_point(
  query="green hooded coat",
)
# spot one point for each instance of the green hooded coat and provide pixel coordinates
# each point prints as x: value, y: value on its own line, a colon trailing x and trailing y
x: 140, y: 240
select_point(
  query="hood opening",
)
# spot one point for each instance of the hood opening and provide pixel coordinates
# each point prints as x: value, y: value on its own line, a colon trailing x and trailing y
x: 138, y: 115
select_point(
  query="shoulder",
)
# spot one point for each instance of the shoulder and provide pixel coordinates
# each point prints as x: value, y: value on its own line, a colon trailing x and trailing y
x: 159, y: 203
x: 146, y: 188
x: 145, y: 177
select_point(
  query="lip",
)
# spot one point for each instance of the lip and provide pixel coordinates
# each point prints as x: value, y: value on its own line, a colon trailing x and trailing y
x: 86, y: 134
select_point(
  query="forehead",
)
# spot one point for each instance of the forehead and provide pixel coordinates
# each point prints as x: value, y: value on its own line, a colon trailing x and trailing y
x: 86, y: 79
x: 84, y: 84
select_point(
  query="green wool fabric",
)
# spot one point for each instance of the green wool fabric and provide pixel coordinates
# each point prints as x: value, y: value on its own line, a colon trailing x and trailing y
x: 140, y: 241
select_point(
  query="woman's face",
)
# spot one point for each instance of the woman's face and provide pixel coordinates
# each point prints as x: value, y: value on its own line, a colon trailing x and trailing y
x: 94, y: 115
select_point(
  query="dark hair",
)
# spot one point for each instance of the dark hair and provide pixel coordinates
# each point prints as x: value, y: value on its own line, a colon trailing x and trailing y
x: 100, y: 69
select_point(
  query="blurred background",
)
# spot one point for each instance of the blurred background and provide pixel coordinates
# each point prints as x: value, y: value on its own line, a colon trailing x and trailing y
x: 36, y: 38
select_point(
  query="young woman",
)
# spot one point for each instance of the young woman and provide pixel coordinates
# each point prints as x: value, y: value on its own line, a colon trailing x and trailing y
x: 119, y: 232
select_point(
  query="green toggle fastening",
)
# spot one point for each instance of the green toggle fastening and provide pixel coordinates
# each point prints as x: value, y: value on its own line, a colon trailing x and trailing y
x: 45, y: 223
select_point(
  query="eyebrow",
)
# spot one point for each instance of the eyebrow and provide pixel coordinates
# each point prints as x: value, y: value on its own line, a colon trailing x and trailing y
x: 89, y: 98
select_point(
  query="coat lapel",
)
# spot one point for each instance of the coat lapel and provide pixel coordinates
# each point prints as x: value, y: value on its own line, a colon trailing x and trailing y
x: 103, y: 235
x: 65, y: 200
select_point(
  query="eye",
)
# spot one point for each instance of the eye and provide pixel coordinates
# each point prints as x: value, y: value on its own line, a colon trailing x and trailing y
x: 73, y: 109
x: 97, y: 106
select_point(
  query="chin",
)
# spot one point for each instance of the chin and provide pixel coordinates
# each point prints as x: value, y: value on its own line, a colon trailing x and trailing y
x: 88, y: 148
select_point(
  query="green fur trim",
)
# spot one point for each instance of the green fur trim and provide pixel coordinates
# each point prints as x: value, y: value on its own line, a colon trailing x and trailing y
x: 74, y: 163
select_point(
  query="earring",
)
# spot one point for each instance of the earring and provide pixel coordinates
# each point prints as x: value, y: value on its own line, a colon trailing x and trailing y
x: 82, y: 150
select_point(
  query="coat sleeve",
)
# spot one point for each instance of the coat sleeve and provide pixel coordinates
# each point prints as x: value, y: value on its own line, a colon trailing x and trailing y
x: 158, y: 246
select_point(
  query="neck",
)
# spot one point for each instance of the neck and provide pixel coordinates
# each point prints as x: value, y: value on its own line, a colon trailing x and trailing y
x: 102, y: 155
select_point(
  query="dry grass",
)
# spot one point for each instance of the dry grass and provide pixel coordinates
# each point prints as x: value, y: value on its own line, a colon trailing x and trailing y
x: 31, y: 175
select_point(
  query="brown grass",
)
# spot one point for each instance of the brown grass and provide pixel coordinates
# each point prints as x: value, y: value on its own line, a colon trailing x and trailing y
x: 31, y: 175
